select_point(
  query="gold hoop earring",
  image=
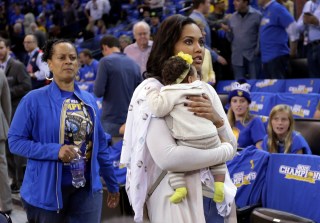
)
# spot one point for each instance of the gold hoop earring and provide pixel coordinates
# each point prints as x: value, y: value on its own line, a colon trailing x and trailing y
x: 50, y: 75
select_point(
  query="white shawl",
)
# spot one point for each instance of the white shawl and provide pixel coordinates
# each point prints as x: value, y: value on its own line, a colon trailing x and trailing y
x: 134, y: 154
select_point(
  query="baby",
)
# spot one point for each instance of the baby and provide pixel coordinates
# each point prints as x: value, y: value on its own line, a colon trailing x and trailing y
x: 180, y: 78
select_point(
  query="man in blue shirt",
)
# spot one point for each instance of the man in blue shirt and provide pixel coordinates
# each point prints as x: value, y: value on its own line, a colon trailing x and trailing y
x: 118, y: 76
x: 276, y: 26
x: 88, y: 72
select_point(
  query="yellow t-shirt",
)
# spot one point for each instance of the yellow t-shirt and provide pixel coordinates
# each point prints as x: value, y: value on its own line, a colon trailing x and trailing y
x: 207, y: 69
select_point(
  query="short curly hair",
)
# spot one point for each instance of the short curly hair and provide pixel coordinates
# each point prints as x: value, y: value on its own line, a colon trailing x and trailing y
x: 173, y: 68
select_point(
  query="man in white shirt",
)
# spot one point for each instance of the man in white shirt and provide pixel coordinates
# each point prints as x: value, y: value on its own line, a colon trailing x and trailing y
x: 308, y: 24
x: 95, y: 9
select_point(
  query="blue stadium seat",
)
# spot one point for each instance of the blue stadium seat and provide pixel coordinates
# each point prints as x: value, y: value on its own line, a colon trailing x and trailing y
x: 224, y: 86
x: 247, y: 171
x: 269, y: 85
x: 292, y: 185
x: 302, y: 105
x: 265, y: 119
x: 262, y: 103
x: 303, y: 86
x: 85, y: 86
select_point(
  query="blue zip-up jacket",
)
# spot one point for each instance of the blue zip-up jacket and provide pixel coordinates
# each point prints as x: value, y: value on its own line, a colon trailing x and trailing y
x: 35, y: 133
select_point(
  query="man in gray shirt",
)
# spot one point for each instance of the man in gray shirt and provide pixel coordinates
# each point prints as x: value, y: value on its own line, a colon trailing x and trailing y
x: 243, y: 33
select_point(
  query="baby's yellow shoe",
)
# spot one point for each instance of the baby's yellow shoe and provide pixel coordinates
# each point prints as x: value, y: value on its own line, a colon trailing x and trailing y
x: 218, y: 195
x: 178, y: 195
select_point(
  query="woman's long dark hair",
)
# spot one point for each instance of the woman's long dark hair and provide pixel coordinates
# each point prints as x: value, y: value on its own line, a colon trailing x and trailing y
x: 166, y: 38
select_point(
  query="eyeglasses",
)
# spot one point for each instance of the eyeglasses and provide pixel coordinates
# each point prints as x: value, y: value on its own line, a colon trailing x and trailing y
x: 28, y: 42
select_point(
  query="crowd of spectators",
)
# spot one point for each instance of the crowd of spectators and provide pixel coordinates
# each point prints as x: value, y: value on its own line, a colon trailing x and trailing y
x: 82, y: 20
x: 73, y: 19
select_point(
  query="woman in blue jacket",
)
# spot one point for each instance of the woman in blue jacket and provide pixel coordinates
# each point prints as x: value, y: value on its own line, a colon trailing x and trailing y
x: 48, y: 124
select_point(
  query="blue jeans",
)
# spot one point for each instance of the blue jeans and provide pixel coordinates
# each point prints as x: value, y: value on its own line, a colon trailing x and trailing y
x: 249, y: 69
x: 79, y: 206
x: 314, y: 60
x: 111, y: 128
x: 277, y: 68
x: 210, y: 211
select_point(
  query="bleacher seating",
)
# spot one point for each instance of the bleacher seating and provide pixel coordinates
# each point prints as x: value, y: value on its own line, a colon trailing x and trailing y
x: 306, y: 126
x: 297, y: 86
x: 302, y: 95
x: 224, y: 87
x: 302, y: 86
x: 247, y: 171
x: 302, y: 106
x: 92, y: 44
x: 268, y: 85
x: 262, y: 103
x: 265, y: 119
x: 288, y: 183
x: 85, y: 86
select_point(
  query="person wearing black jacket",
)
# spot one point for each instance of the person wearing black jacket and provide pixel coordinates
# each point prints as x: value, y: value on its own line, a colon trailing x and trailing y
x: 19, y: 84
